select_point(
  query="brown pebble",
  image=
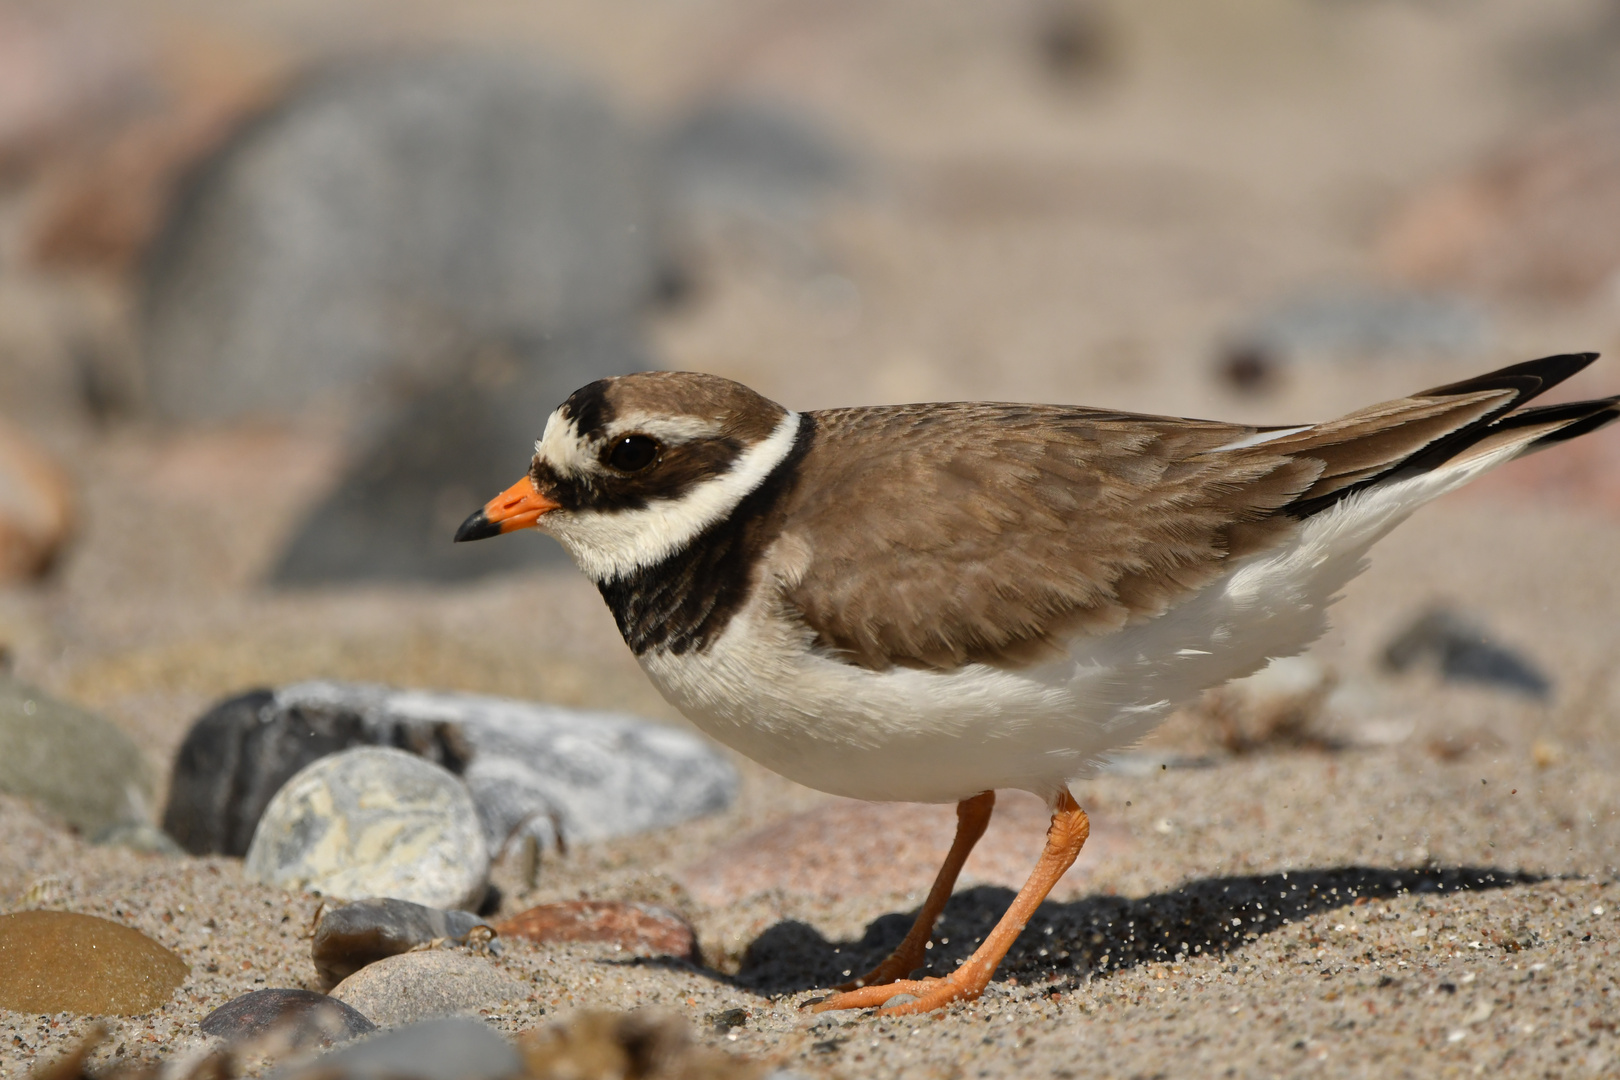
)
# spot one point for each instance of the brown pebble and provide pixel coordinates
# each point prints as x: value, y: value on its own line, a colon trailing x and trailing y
x: 644, y: 929
x: 61, y: 961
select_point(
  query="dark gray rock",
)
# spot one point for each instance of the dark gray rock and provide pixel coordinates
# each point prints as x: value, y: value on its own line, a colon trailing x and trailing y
x: 532, y: 769
x: 239, y: 754
x: 76, y: 764
x: 1464, y: 651
x: 423, y: 985
x: 302, y: 1018
x: 386, y: 216
x: 445, y: 1049
x: 349, y: 937
x: 373, y: 822
x: 453, y: 445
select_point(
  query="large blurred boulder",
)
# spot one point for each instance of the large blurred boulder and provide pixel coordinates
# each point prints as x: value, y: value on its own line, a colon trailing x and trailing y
x: 384, y: 216
x: 1538, y: 219
x: 754, y: 157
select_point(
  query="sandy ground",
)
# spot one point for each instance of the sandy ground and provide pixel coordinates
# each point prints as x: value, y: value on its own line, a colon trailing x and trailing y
x: 1444, y: 904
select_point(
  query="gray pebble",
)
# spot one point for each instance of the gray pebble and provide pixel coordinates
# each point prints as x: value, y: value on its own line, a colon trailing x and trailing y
x: 443, y: 1049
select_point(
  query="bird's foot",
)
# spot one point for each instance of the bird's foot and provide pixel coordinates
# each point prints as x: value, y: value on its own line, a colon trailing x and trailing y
x: 893, y: 969
x: 926, y: 994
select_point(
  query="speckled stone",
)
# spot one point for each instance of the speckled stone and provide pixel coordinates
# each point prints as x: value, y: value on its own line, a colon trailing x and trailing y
x: 61, y: 961
x: 422, y: 985
x: 349, y: 937
x: 373, y: 822
x: 302, y: 1017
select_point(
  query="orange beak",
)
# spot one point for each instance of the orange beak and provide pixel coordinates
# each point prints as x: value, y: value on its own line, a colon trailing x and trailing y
x: 518, y: 507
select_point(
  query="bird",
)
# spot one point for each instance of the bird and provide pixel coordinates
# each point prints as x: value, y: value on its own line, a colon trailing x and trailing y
x: 931, y: 602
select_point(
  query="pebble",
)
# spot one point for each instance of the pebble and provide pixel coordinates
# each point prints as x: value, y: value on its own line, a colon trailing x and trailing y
x: 62, y: 961
x: 426, y: 984
x: 348, y: 938
x: 78, y: 765
x: 302, y: 1018
x: 533, y: 770
x: 853, y: 849
x: 444, y: 1049
x: 36, y: 508
x: 641, y: 929
x: 373, y: 822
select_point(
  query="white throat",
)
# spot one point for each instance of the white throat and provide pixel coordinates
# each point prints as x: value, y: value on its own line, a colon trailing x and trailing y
x: 610, y: 544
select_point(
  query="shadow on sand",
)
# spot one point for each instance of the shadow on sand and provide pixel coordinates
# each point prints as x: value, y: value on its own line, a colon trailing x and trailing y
x: 1213, y: 916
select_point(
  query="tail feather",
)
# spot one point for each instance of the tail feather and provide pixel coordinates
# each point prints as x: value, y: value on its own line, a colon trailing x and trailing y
x: 1447, y: 424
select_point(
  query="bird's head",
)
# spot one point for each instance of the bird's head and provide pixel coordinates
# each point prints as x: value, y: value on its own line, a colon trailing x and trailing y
x: 630, y: 469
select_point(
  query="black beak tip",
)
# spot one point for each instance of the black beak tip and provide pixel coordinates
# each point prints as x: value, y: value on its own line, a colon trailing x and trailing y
x: 477, y: 527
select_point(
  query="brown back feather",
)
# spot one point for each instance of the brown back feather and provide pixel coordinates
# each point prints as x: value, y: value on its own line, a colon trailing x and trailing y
x: 948, y: 534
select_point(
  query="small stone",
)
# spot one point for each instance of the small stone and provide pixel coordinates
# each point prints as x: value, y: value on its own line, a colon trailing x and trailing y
x: 78, y: 765
x: 443, y: 1049
x: 373, y: 822
x: 642, y: 929
x: 421, y: 985
x: 36, y: 508
x: 726, y: 1019
x: 900, y: 999
x: 349, y: 937
x: 302, y: 1018
x: 61, y: 961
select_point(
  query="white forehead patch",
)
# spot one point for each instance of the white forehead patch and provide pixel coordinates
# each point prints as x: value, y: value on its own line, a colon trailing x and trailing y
x: 611, y: 544
x: 559, y: 445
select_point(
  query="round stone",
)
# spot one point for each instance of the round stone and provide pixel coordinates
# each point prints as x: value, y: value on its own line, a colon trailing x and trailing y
x: 423, y: 985
x: 373, y: 822
x: 61, y: 961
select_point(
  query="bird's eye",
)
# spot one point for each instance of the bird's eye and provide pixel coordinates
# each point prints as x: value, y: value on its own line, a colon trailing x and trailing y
x: 633, y: 453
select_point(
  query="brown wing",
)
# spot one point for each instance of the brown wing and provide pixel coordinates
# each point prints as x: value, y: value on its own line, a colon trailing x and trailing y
x: 938, y: 535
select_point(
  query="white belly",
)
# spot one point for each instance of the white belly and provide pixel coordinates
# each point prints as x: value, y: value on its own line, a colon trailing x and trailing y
x: 920, y: 736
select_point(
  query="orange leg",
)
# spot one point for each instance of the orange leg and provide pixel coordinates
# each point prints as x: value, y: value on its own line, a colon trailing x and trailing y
x: 1064, y: 839
x: 972, y: 817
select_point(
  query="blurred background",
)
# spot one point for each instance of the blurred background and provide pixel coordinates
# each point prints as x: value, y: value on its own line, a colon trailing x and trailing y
x: 288, y: 288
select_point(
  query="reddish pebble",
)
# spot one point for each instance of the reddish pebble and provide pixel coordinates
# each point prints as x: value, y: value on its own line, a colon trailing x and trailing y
x: 643, y: 929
